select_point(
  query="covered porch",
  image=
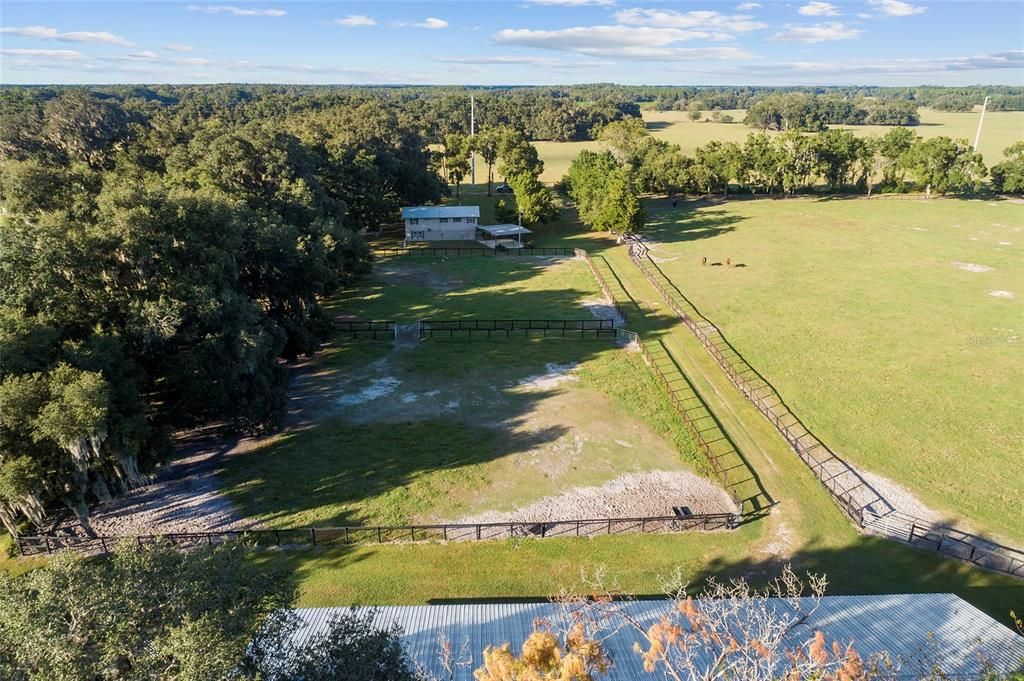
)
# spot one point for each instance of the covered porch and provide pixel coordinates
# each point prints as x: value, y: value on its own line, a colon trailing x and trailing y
x: 503, y: 236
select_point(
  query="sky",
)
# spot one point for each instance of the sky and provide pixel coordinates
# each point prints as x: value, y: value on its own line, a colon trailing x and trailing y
x: 513, y: 42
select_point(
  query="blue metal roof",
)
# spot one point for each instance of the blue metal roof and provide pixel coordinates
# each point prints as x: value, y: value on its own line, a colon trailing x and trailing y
x: 963, y: 637
x: 423, y: 212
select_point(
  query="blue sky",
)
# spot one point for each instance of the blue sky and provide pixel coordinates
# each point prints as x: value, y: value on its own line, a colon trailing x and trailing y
x: 884, y: 42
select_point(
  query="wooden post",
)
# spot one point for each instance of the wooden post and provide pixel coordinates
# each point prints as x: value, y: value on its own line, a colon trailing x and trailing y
x: 47, y: 540
x: 312, y: 535
x: 346, y: 536
x: 380, y: 539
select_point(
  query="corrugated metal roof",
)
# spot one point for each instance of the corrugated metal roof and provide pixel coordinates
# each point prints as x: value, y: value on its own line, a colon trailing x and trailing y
x: 425, y: 212
x: 504, y: 230
x: 948, y: 628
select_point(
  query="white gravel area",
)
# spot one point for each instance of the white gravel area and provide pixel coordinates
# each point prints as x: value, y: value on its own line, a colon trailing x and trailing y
x: 602, y: 309
x: 900, y: 498
x: 554, y: 375
x: 183, y: 497
x: 634, y: 495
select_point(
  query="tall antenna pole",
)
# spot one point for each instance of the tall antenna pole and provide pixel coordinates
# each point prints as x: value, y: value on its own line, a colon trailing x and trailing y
x: 977, y: 138
x: 472, y: 133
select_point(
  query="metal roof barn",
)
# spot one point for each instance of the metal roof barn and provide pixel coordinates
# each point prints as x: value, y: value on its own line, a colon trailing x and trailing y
x: 955, y: 633
x: 427, y: 212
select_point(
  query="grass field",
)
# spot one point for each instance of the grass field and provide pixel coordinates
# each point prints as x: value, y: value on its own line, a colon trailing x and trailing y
x: 874, y: 323
x: 804, y: 527
x: 450, y: 428
x: 1002, y: 128
x: 363, y: 463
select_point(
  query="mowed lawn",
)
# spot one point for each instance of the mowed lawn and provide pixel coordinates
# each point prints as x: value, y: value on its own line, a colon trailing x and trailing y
x: 410, y: 288
x: 447, y: 428
x: 1002, y: 128
x: 892, y: 328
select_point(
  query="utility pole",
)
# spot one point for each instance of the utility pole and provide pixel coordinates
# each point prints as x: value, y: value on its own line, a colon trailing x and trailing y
x: 977, y: 137
x: 472, y: 134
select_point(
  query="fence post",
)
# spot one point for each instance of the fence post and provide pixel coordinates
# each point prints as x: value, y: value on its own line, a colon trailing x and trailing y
x: 380, y: 538
x: 346, y: 536
x: 913, y: 529
x: 277, y: 535
x: 312, y: 535
x: 47, y: 545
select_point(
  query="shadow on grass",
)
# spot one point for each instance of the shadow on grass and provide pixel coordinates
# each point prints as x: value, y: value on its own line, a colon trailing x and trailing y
x: 688, y: 221
x: 534, y: 570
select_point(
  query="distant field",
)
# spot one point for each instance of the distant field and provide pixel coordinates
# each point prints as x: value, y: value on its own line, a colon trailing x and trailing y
x: 1002, y: 128
x: 893, y: 328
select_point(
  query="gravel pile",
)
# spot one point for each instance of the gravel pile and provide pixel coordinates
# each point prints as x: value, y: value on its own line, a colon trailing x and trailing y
x: 635, y: 495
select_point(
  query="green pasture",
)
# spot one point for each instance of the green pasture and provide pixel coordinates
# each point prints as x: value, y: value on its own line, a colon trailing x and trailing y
x: 1001, y: 129
x: 892, y: 328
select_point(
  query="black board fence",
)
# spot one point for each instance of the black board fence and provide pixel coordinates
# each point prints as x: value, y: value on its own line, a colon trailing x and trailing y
x: 317, y: 536
x: 376, y: 330
x: 848, y: 489
x: 506, y: 328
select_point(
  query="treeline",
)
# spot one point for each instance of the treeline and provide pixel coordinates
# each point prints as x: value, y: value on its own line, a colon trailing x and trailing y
x: 539, y: 113
x: 813, y: 113
x: 606, y: 186
x: 159, y: 260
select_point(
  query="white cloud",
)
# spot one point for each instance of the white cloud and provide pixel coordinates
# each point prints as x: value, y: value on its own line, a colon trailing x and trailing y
x: 178, y: 47
x: 666, y: 18
x: 626, y: 42
x: 47, y: 54
x: 572, y: 3
x: 49, y: 33
x: 237, y: 11
x: 432, y: 23
x: 816, y: 8
x: 523, y: 60
x: 817, y: 33
x: 594, y: 40
x: 747, y: 6
x: 356, y: 20
x: 1013, y: 59
x: 897, y: 8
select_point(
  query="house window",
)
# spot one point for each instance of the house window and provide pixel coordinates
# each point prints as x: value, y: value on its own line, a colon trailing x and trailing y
x: 471, y: 221
x: 456, y: 219
x: 415, y: 235
x: 443, y: 220
x: 414, y: 221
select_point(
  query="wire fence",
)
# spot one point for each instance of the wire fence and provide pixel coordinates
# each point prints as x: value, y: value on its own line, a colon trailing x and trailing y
x: 851, y: 493
x: 389, y: 534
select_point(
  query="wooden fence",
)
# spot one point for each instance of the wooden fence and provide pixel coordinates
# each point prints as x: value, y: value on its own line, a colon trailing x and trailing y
x: 377, y: 330
x: 506, y: 328
x: 435, y: 251
x: 684, y: 407
x: 605, y: 289
x: 848, y: 489
x: 317, y: 536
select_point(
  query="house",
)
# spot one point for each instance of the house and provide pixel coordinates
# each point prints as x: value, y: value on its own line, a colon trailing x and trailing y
x: 441, y: 223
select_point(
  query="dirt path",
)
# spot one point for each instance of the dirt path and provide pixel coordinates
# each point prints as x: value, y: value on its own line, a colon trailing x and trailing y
x: 184, y: 495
